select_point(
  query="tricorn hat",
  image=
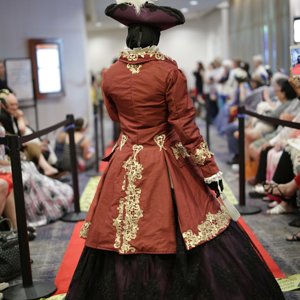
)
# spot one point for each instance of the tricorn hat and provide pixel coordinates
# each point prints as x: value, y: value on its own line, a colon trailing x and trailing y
x: 131, y: 12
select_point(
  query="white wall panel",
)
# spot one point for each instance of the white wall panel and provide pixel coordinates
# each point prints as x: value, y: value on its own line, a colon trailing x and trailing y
x: 260, y: 27
x: 21, y: 20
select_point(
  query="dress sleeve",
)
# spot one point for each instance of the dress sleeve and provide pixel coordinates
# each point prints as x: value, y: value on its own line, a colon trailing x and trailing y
x: 182, y: 117
x: 109, y: 104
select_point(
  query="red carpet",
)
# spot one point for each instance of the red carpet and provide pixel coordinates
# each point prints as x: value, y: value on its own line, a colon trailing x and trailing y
x: 70, y: 260
x: 267, y: 258
x: 76, y: 245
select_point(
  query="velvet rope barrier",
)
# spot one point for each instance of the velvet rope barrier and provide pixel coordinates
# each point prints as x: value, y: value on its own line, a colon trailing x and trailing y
x: 77, y: 215
x: 29, y: 289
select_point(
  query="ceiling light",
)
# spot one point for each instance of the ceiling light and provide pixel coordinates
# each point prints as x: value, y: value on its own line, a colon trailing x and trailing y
x: 193, y: 2
x: 184, y: 10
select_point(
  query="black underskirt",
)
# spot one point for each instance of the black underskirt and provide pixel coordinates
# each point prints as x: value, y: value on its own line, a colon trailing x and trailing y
x: 227, y: 267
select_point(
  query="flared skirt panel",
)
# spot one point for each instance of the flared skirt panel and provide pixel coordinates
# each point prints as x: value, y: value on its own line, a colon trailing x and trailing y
x: 227, y: 267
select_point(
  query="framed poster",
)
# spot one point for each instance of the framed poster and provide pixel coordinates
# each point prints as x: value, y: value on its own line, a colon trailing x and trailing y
x: 19, y: 77
x: 47, y: 67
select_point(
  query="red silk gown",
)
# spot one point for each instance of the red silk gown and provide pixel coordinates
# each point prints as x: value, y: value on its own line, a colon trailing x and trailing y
x: 160, y: 148
x: 154, y: 230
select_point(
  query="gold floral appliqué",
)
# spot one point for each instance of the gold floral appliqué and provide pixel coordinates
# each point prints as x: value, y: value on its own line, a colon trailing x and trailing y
x: 208, y: 229
x: 180, y: 151
x: 84, y: 230
x: 126, y: 223
x: 134, y: 69
x: 123, y: 141
x: 160, y: 141
x: 114, y: 147
x: 201, y: 154
x: 135, y: 54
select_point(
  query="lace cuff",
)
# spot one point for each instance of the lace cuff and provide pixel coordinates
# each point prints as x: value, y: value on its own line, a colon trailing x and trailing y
x: 214, y: 178
x: 201, y: 154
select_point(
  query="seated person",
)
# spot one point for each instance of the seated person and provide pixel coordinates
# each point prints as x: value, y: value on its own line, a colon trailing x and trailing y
x: 288, y: 190
x: 84, y: 152
x: 256, y: 137
x: 46, y: 199
x: 232, y: 127
x: 286, y: 110
x: 7, y: 201
x: 280, y: 164
x: 12, y: 119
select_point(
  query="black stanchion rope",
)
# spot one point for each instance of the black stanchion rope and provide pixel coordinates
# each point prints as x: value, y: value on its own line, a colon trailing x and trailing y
x: 271, y: 120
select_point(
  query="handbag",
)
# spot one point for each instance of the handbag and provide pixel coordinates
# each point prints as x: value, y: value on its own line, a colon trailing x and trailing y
x: 10, y: 265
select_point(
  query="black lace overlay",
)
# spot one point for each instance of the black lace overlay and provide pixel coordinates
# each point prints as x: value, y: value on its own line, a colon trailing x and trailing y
x: 228, y: 267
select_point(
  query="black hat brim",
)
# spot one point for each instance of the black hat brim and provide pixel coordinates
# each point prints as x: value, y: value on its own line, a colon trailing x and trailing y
x: 162, y: 17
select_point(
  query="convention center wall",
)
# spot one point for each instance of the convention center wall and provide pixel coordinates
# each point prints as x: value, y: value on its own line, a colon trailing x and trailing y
x: 261, y: 27
x: 27, y: 19
x: 238, y: 29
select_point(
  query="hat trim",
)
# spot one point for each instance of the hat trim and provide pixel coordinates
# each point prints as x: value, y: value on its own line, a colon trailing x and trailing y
x: 149, y: 7
x: 138, y: 4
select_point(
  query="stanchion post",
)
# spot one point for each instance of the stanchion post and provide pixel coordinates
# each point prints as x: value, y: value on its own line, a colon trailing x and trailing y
x: 77, y: 215
x: 95, y: 172
x: 73, y: 157
x: 207, y: 122
x: 243, y: 209
x: 242, y: 192
x: 96, y: 133
x: 13, y: 143
x: 28, y: 290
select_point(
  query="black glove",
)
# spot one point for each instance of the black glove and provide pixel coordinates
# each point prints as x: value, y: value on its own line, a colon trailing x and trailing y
x: 216, y: 186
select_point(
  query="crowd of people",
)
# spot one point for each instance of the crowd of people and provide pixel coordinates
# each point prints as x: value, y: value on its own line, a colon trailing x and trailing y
x: 272, y: 152
x: 46, y: 198
x: 45, y: 164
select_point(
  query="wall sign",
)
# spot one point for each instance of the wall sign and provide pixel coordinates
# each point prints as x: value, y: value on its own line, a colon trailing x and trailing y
x: 47, y: 67
x: 19, y: 77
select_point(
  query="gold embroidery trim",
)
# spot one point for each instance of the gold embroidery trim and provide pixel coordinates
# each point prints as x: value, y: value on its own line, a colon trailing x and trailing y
x: 160, y: 141
x: 179, y: 151
x: 114, y: 147
x: 134, y: 69
x: 160, y: 56
x: 135, y: 54
x: 123, y: 141
x: 208, y: 229
x: 84, y: 230
x: 129, y: 211
x: 201, y: 154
